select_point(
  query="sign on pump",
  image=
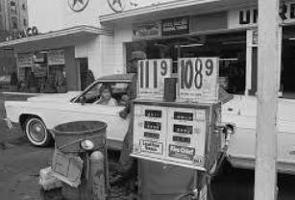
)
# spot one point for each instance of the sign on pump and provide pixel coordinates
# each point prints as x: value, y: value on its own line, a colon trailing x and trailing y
x: 151, y: 75
x: 198, y: 79
x: 178, y: 133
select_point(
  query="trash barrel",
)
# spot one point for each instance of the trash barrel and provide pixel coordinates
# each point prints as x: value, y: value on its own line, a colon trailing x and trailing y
x: 68, y: 139
x: 68, y: 136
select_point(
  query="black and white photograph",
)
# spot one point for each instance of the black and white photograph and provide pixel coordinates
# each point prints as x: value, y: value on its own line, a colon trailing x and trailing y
x: 147, y: 99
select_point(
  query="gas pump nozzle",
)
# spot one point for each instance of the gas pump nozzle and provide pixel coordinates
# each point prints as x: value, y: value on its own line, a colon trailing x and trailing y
x: 227, y: 129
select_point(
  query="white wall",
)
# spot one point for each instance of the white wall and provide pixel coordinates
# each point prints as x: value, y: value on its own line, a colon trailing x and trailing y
x: 90, y: 50
x: 88, y: 16
x: 105, y: 53
x: 45, y: 14
x: 130, y: 4
x: 123, y: 33
x: 51, y: 15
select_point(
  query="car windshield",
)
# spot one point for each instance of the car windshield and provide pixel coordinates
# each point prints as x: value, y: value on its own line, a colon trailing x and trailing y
x: 93, y: 94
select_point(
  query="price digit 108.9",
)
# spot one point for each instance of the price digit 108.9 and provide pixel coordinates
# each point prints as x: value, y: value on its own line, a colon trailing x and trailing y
x: 192, y: 72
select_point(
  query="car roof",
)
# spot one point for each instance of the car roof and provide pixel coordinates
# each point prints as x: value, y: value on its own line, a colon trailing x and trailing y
x: 117, y: 78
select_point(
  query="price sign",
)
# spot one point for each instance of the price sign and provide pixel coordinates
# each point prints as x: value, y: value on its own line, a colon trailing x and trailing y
x: 198, y: 79
x: 56, y: 57
x: 151, y: 77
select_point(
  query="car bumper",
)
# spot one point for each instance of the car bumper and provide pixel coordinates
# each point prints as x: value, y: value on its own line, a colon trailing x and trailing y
x: 284, y: 167
x: 10, y: 124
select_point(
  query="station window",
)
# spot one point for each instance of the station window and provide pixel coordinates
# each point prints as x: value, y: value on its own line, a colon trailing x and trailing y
x: 287, y: 82
x: 13, y: 7
x: 1, y: 23
x: 25, y: 22
x: 14, y: 22
x: 24, y: 6
x: 230, y: 48
x: 288, y: 62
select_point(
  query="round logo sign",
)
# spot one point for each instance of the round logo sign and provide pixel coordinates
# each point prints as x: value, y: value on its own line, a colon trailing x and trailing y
x: 117, y: 5
x: 78, y: 5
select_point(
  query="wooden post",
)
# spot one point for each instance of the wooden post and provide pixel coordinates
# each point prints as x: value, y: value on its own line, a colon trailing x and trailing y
x: 267, y: 105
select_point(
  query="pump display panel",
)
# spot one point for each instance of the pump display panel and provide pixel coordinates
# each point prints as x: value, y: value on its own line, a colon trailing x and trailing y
x: 173, y: 133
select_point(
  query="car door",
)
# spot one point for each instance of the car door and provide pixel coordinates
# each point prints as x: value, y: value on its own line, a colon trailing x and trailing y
x: 116, y: 126
x: 86, y: 108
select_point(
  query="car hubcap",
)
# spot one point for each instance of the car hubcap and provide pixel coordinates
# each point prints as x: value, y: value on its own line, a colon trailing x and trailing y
x: 37, y: 131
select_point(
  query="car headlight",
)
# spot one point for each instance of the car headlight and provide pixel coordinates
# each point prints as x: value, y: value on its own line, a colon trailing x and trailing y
x: 87, y: 145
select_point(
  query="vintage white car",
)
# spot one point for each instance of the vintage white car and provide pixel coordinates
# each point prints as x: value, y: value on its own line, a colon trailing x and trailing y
x: 242, y: 111
x: 39, y: 114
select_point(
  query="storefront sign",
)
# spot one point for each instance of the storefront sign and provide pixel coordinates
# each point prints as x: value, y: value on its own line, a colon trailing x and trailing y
x: 152, y: 29
x: 56, y: 57
x: 78, y: 5
x: 198, y: 79
x: 30, y: 31
x: 175, y: 26
x: 151, y: 77
x: 249, y: 16
x: 25, y: 60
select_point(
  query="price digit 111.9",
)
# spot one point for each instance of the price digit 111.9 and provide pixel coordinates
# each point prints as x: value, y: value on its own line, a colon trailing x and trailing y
x: 152, y: 72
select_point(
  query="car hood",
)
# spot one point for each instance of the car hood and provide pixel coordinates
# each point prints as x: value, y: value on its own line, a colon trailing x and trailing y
x: 64, y: 97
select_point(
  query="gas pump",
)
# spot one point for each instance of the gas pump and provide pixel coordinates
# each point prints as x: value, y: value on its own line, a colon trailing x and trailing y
x: 182, y: 136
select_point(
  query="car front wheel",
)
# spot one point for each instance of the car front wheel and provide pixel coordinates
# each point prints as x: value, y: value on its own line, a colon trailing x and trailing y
x: 37, y: 133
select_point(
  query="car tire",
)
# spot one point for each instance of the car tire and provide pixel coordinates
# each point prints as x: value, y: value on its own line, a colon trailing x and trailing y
x: 37, y: 133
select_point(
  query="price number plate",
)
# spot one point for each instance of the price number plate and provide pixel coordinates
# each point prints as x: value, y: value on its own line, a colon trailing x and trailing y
x: 198, y: 79
x: 151, y: 77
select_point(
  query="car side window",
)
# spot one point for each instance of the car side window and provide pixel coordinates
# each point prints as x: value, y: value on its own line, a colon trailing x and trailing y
x: 119, y: 93
x: 91, y: 95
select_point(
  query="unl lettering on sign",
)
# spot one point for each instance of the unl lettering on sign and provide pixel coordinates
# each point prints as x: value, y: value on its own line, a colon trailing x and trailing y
x: 198, y: 79
x: 151, y: 77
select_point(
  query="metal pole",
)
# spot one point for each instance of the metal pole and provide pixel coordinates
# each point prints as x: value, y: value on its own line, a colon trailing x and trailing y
x: 267, y: 104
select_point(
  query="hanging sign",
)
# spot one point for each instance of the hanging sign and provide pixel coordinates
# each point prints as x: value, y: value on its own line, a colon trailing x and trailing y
x: 56, y: 57
x: 152, y: 29
x: 151, y: 77
x: 25, y: 60
x: 175, y: 26
x: 198, y: 79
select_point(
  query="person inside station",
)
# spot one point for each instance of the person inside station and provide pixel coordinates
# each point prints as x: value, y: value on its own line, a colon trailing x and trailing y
x: 106, y: 98
x: 60, y: 82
